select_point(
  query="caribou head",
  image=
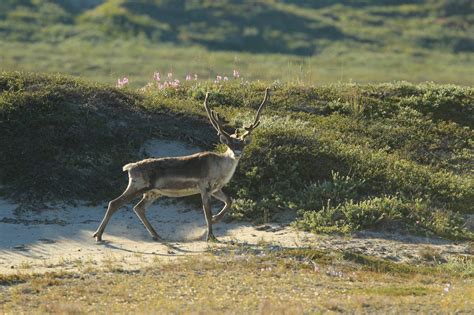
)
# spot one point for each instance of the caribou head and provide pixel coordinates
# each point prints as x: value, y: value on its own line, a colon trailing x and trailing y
x: 236, y: 141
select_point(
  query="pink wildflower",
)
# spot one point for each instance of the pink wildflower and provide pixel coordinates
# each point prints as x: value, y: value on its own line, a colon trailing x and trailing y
x: 226, y: 79
x: 447, y: 287
x: 195, y: 77
x: 157, y: 76
x: 122, y: 82
x: 236, y: 74
x: 417, y: 222
x: 218, y: 78
x: 188, y: 77
x: 170, y: 75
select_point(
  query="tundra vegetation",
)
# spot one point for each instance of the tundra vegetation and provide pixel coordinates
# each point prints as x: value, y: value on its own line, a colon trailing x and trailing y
x: 342, y: 157
x: 246, y: 280
x: 345, y: 157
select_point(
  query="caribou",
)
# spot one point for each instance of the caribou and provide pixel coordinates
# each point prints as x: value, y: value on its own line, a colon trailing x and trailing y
x: 203, y: 173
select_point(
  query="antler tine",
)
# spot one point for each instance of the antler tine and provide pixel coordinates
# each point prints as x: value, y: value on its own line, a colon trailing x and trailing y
x: 259, y: 111
x: 214, y: 118
x: 208, y: 111
x: 217, y: 118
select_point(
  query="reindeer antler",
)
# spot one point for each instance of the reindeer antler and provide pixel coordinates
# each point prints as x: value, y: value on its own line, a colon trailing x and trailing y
x: 259, y: 111
x: 216, y: 121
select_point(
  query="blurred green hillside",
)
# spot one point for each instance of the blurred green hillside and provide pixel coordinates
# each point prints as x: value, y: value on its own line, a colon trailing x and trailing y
x: 310, y: 41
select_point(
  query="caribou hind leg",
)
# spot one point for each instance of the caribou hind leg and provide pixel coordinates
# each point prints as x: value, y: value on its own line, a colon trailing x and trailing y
x: 226, y: 200
x: 140, y: 209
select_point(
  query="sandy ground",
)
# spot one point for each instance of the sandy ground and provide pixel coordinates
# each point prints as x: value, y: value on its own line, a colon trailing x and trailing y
x: 60, y: 237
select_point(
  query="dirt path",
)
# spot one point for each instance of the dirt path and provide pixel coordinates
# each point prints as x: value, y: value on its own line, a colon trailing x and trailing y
x: 60, y: 238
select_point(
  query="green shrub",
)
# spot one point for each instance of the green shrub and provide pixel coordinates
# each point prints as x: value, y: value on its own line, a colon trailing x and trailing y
x: 335, y: 191
x: 66, y: 139
x: 416, y: 216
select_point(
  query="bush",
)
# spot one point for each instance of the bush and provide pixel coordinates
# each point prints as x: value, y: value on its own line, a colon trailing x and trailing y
x: 347, y: 157
x: 65, y: 139
x: 416, y: 216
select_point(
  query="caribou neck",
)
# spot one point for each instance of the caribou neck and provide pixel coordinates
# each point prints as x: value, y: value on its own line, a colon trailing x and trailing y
x: 229, y: 153
x: 228, y: 168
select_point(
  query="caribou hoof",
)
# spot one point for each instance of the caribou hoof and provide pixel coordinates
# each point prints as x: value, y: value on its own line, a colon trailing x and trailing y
x: 212, y: 238
x: 156, y: 238
x: 97, y: 236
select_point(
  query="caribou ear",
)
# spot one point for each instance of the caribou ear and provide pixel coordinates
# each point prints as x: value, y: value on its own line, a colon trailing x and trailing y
x: 223, y: 139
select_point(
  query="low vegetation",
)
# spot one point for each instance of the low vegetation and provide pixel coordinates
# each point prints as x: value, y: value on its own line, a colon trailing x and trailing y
x: 345, y: 157
x: 249, y: 280
x: 336, y: 157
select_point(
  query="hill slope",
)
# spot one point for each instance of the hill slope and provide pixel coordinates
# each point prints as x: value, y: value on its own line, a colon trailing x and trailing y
x: 361, y: 155
x: 308, y: 42
x: 293, y: 27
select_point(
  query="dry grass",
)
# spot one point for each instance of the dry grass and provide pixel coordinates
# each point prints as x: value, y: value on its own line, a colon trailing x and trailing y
x: 239, y: 281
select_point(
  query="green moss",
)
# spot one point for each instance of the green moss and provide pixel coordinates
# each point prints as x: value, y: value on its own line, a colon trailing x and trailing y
x: 305, y: 254
x: 399, y: 291
x: 384, y: 266
x: 460, y: 267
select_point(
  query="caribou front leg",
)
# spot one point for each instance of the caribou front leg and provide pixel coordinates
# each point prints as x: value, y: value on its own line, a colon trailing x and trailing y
x: 206, y: 205
x: 128, y: 195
